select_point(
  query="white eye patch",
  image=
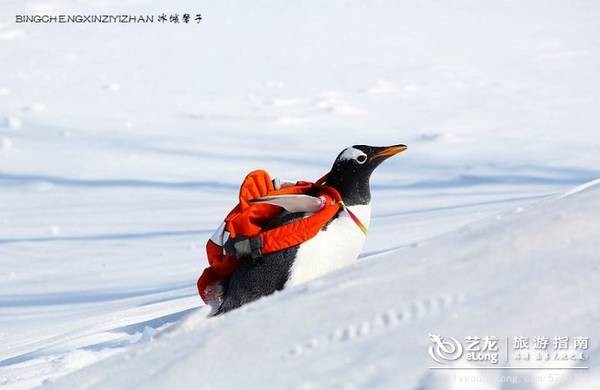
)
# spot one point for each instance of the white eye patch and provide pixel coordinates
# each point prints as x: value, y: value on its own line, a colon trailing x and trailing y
x: 353, y: 154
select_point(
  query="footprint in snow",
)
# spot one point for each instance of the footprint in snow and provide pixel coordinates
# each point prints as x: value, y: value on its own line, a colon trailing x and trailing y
x: 388, y: 319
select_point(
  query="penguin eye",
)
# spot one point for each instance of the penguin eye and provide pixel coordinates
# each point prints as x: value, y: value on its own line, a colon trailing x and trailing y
x: 361, y: 159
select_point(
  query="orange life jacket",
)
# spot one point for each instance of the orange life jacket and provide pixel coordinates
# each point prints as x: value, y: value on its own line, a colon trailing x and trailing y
x: 249, y: 219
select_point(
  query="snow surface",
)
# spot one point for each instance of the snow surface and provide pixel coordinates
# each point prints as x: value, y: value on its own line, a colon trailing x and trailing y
x: 122, y: 146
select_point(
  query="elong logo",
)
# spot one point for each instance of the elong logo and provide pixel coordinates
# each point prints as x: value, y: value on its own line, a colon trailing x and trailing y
x: 444, y: 349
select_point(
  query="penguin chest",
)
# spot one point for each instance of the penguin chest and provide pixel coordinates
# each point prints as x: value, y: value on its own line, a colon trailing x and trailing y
x: 338, y: 245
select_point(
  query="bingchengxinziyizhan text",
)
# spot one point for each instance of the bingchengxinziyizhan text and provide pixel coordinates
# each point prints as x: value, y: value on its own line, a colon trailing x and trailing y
x: 163, y: 18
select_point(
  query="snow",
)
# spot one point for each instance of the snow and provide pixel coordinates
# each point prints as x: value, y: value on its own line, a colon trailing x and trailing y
x: 122, y: 146
x: 366, y: 325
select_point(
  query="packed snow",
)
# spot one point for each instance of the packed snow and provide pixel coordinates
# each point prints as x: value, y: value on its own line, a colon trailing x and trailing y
x: 122, y: 147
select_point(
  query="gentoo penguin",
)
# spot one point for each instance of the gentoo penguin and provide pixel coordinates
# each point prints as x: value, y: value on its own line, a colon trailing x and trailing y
x: 336, y: 245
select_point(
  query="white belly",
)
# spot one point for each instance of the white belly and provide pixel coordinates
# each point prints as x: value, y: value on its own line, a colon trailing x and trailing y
x: 330, y: 249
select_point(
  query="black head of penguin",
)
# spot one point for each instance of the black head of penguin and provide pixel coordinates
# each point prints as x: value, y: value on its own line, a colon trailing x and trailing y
x: 352, y: 170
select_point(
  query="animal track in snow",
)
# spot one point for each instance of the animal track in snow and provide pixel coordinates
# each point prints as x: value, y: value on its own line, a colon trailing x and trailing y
x: 388, y: 319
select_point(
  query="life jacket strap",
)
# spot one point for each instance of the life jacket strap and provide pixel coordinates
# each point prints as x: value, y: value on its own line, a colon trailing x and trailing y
x: 322, y: 179
x: 354, y: 218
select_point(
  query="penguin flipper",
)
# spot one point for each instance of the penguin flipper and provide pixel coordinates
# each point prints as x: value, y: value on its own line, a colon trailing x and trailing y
x: 296, y: 203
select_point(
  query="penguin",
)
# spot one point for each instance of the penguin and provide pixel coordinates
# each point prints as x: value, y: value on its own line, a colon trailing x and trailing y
x: 336, y: 245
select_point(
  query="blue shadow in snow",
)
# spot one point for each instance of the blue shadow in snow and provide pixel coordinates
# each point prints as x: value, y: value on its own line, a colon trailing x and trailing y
x: 20, y: 358
x: 107, y: 237
x: 84, y: 297
x: 155, y: 322
x: 18, y: 180
x: 476, y: 180
x: 461, y: 206
x: 129, y: 329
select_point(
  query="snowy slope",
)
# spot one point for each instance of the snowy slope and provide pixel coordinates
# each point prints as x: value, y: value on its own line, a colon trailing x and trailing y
x: 122, y: 146
x: 523, y: 271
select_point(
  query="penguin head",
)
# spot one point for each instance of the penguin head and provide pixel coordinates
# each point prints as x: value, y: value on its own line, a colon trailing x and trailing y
x: 352, y: 170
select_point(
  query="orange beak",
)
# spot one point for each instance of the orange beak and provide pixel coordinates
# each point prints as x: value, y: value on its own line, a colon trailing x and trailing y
x: 388, y: 152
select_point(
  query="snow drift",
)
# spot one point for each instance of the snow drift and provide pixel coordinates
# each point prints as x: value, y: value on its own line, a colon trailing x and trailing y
x: 528, y: 270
